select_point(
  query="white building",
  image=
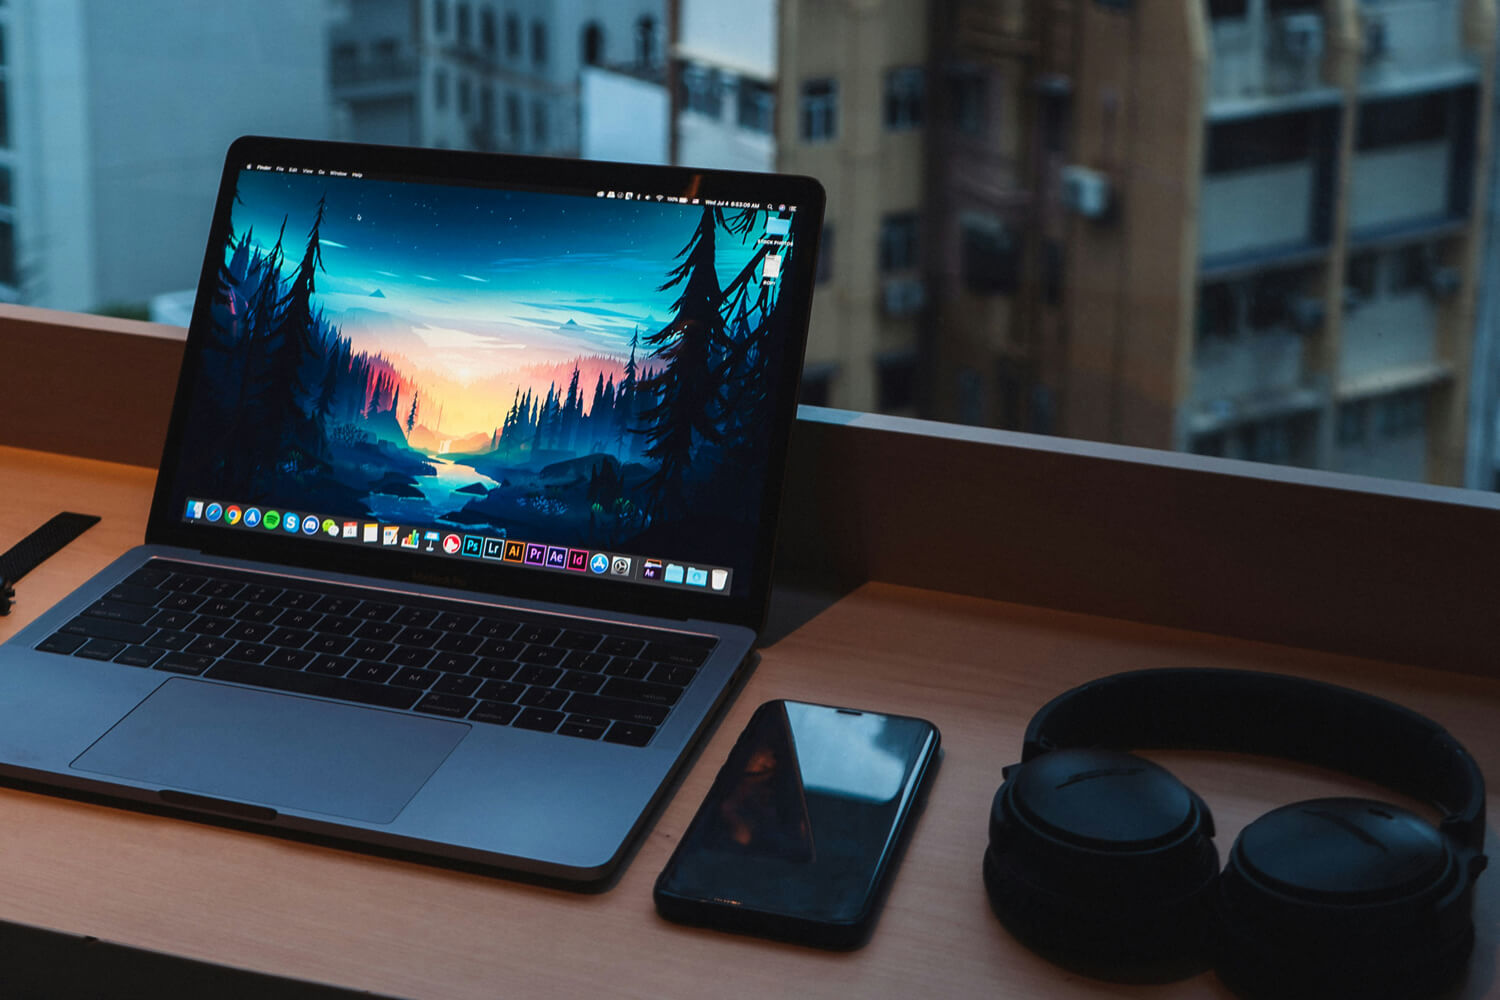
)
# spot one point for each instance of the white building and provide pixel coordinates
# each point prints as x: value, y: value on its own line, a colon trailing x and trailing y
x: 114, y: 120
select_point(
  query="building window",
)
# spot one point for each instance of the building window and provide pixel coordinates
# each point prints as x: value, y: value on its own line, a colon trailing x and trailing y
x: 757, y: 105
x: 440, y: 88
x: 4, y: 114
x: 8, y: 254
x: 1354, y: 422
x: 513, y: 117
x: 702, y: 90
x: 820, y: 106
x: 487, y: 30
x: 1411, y: 266
x: 439, y: 16
x: 645, y: 41
x: 989, y: 256
x: 344, y: 62
x: 966, y: 102
x: 905, y: 89
x: 1266, y: 141
x: 465, y: 95
x: 7, y: 194
x: 1217, y: 311
x: 898, y: 242
x: 512, y: 36
x: 825, y: 255
x: 383, y: 56
x: 539, y: 123
x: 1401, y: 413
x: 896, y: 380
x: 539, y: 43
x: 1269, y: 299
x: 464, y: 24
x: 593, y: 44
x: 1359, y: 274
x: 1219, y: 9
x: 1402, y: 121
x: 817, y: 384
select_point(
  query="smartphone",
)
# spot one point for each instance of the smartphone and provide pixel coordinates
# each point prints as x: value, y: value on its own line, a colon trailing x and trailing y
x: 798, y: 835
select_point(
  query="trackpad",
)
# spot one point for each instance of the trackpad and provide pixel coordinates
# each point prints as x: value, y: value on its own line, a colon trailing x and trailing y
x: 272, y: 749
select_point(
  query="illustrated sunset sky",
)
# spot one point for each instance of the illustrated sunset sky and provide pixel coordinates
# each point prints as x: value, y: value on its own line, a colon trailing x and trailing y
x: 472, y: 294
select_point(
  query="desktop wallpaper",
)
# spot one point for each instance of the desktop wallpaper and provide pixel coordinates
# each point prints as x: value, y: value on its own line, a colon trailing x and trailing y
x: 586, y: 371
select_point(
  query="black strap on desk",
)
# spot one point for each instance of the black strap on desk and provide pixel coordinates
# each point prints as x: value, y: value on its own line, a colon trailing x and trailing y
x: 36, y: 548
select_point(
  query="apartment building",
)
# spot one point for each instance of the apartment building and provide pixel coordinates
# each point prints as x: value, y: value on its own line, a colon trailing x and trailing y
x: 114, y: 119
x: 1251, y: 227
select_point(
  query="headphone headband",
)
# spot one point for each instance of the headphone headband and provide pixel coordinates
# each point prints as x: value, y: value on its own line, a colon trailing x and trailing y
x: 1277, y: 716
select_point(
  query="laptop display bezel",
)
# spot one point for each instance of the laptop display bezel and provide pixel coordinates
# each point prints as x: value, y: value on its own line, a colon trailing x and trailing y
x: 746, y: 606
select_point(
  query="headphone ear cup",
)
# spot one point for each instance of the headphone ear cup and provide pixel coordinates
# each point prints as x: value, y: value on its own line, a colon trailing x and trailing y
x: 1344, y: 897
x: 1103, y: 862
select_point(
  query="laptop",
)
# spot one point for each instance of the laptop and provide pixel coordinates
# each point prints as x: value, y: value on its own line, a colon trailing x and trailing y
x: 464, y: 524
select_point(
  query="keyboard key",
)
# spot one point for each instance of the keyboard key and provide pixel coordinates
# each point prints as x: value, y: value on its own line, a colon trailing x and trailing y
x: 134, y: 593
x: 582, y: 730
x: 139, y: 656
x: 450, y: 705
x: 61, y: 642
x: 149, y: 576
x: 537, y: 633
x: 210, y: 626
x: 413, y: 636
x: 584, y: 641
x: 294, y: 638
x: 665, y: 673
x: 183, y: 582
x: 170, y: 639
x: 249, y: 631
x: 501, y: 649
x: 618, y: 709
x: 576, y: 680
x: 299, y: 600
x: 539, y: 719
x: 370, y: 670
x: 636, y: 670
x: 290, y: 659
x: 453, y: 663
x: 379, y: 631
x: 495, y: 628
x: 654, y: 694
x: 494, y: 670
x: 369, y: 649
x: 593, y: 662
x: 619, y: 646
x: 186, y: 663
x: 543, y: 697
x: 259, y: 613
x: 221, y: 588
x: 300, y: 682
x: 328, y: 643
x: 678, y: 656
x: 453, y: 622
x: 548, y: 655
x: 534, y: 674
x: 172, y: 619
x: 250, y: 652
x: 220, y: 607
x: 210, y: 645
x: 180, y: 602
x: 417, y: 617
x: 120, y: 611
x: 630, y: 733
x: 298, y: 618
x: 456, y: 684
x: 105, y: 628
x: 332, y: 666
x: 409, y: 656
x: 455, y: 643
x: 260, y: 593
x: 502, y: 691
x: 334, y: 605
x: 337, y: 625
x: 497, y: 713
x: 374, y: 611
x: 413, y: 678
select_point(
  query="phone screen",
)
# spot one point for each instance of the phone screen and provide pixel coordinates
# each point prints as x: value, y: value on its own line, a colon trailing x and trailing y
x: 802, y: 819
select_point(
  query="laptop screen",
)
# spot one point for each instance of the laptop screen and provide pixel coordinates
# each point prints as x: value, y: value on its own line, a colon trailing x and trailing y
x: 540, y: 377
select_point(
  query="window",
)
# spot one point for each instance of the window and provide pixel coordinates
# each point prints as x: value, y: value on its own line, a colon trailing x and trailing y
x: 539, y: 123
x: 1410, y: 267
x: 487, y: 30
x: 1354, y: 422
x: 896, y: 380
x: 989, y: 257
x: 7, y: 195
x: 465, y: 96
x: 439, y: 16
x: 344, y: 62
x: 966, y: 102
x: 820, y: 105
x: 1401, y: 413
x: 645, y: 41
x: 464, y: 24
x: 513, y: 116
x: 1402, y: 121
x: 539, y: 43
x: 905, y: 89
x: 702, y: 90
x: 8, y: 254
x: 440, y: 88
x: 512, y: 36
x: 1259, y: 142
x: 4, y: 114
x: 1219, y: 9
x: 898, y: 242
x: 1360, y: 273
x: 383, y: 55
x: 593, y: 44
x: 825, y: 255
x: 757, y: 106
x: 817, y: 383
x: 1217, y: 310
x: 1269, y: 299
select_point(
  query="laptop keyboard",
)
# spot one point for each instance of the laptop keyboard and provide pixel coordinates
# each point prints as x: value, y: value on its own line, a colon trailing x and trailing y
x: 580, y: 678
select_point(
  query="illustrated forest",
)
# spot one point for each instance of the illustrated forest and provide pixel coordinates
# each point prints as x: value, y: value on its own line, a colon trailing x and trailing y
x: 340, y: 378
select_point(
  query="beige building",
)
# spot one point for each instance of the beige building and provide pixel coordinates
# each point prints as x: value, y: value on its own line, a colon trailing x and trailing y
x: 1242, y: 227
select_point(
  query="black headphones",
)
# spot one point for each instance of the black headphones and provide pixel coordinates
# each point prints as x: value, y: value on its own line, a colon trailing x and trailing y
x: 1103, y: 861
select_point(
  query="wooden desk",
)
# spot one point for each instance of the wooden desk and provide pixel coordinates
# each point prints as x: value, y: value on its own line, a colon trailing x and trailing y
x: 977, y: 668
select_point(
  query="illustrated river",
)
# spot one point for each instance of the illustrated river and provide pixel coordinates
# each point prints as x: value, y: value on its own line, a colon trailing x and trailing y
x: 438, y: 498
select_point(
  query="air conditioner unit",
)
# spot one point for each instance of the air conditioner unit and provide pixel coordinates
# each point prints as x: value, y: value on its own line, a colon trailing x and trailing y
x: 1086, y: 192
x: 903, y: 296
